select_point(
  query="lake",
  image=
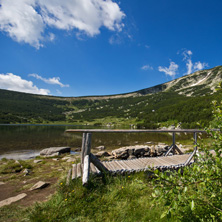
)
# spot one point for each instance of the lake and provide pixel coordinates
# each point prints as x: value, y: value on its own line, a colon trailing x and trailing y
x: 26, y: 141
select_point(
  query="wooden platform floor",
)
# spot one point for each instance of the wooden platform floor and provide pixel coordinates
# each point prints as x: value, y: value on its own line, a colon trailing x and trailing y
x: 134, y: 165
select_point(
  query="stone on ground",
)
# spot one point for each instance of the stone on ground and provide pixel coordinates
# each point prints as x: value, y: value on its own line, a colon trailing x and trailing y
x: 12, y: 199
x: 55, y: 150
x: 39, y: 185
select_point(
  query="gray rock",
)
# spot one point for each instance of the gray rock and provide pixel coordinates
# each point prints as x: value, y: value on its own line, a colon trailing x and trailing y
x: 37, y: 161
x: 100, y: 148
x: 2, y: 183
x: 102, y: 154
x: 55, y: 150
x: 26, y: 172
x: 39, y: 185
x: 125, y: 152
x: 12, y: 199
x: 55, y: 159
x: 121, y: 153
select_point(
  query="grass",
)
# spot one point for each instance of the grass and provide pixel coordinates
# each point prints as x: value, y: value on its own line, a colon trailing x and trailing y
x: 120, y: 198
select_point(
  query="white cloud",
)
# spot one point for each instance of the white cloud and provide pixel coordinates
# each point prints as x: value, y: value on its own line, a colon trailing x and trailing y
x: 27, y: 20
x: 147, y: 67
x: 16, y: 83
x: 171, y: 71
x: 53, y: 81
x: 199, y: 65
x: 189, y: 64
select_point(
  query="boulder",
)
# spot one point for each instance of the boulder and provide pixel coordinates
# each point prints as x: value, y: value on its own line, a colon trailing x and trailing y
x: 102, y: 154
x: 100, y: 148
x: 121, y: 153
x: 133, y: 151
x: 39, y: 185
x: 54, y: 151
x: 26, y: 172
x: 12, y: 199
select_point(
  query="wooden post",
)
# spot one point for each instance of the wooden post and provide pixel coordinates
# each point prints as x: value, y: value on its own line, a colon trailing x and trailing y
x: 85, y: 160
x: 195, y: 149
x: 86, y: 168
x: 86, y: 146
x: 98, y: 164
x: 83, y: 147
x: 174, y: 143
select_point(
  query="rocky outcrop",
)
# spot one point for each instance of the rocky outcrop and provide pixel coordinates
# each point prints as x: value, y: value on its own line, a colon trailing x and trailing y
x: 131, y: 152
x: 54, y: 151
x: 102, y: 154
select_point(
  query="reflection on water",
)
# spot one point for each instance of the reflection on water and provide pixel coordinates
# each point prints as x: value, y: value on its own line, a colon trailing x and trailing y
x: 25, y: 141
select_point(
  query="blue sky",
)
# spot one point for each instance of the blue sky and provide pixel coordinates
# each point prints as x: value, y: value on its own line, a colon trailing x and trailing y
x: 97, y: 47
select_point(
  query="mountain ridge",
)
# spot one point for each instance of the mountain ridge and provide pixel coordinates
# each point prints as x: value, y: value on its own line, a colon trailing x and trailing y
x: 185, y: 100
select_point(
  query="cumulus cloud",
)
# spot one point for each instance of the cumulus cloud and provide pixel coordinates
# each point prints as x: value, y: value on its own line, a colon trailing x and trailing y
x: 16, y: 83
x: 53, y: 81
x: 147, y: 67
x: 171, y: 71
x: 189, y: 64
x: 27, y: 20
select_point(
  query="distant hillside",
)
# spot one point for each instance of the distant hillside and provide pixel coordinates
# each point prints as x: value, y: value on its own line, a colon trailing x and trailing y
x: 186, y: 100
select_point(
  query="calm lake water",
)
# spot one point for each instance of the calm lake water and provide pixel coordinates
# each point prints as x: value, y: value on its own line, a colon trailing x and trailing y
x: 26, y: 141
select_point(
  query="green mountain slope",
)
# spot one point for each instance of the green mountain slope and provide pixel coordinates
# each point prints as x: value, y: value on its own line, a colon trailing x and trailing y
x: 186, y: 100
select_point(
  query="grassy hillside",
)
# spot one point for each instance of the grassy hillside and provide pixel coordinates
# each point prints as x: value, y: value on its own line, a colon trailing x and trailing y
x: 186, y: 100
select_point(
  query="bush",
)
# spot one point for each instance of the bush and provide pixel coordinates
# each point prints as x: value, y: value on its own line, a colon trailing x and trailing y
x: 195, y: 193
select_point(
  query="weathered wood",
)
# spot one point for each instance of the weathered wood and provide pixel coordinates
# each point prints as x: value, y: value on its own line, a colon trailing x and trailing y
x: 86, y: 169
x: 79, y: 170
x: 83, y: 147
x: 68, y: 176
x: 93, y: 168
x: 74, y: 171
x: 178, y: 149
x: 86, y: 145
x: 98, y: 164
x: 137, y: 131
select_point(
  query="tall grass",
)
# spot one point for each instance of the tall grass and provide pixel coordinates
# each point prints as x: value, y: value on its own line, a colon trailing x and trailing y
x: 119, y: 198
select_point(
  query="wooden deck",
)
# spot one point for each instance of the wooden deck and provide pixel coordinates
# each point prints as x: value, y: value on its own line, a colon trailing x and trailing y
x: 134, y: 165
x: 91, y: 165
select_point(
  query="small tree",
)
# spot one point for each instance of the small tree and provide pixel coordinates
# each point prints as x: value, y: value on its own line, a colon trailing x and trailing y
x: 194, y: 193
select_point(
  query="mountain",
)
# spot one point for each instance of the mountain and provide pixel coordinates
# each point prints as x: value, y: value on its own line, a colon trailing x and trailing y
x: 186, y: 100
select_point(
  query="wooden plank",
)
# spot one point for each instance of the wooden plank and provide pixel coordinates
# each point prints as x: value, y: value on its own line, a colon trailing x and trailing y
x: 125, y: 165
x: 86, y: 169
x: 98, y: 164
x: 110, y: 166
x: 83, y: 147
x: 119, y: 162
x: 79, y: 170
x: 138, y: 130
x: 116, y: 166
x: 68, y: 176
x: 93, y: 168
x: 74, y: 171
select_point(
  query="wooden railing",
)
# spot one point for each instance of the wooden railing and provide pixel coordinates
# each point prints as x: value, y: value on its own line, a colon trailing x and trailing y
x: 87, y: 156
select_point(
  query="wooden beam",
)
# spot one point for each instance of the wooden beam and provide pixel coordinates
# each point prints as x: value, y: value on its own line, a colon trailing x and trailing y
x: 86, y: 169
x: 74, y: 171
x: 68, y: 177
x: 98, y: 164
x: 137, y: 131
x: 83, y: 147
